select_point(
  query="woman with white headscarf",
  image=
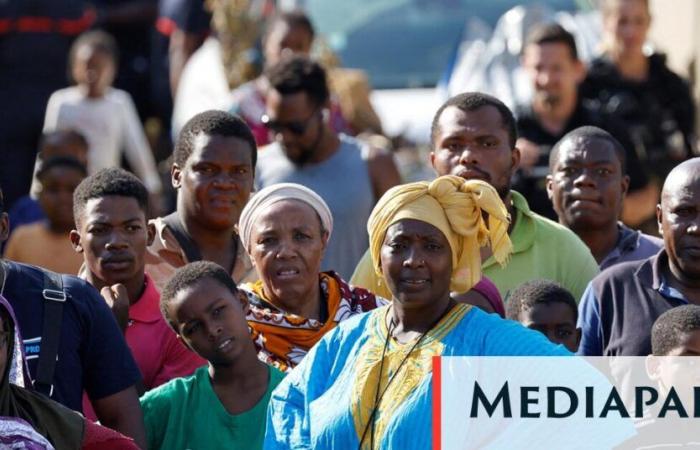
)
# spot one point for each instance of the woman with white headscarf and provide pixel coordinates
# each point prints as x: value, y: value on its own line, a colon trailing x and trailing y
x: 285, y: 228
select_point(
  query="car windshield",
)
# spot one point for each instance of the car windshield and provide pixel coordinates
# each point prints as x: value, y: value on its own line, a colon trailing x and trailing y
x: 404, y: 43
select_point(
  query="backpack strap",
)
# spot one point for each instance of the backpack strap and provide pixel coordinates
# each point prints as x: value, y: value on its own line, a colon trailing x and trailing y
x: 54, y: 299
x: 174, y: 224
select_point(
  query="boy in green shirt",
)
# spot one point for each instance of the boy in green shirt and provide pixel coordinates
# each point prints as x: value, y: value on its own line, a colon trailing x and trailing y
x: 224, y: 404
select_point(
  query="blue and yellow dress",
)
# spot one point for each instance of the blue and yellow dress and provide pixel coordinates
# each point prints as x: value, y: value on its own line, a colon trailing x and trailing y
x: 325, y: 403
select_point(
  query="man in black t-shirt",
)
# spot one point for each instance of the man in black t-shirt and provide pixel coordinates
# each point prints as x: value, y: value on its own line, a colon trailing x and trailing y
x: 92, y: 355
x: 551, y: 60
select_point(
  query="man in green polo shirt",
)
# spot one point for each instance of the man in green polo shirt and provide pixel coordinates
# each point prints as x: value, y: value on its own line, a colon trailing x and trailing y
x: 473, y: 136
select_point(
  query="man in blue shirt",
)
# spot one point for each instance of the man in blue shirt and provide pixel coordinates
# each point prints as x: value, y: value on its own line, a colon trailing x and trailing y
x: 587, y: 183
x: 620, y: 305
x: 92, y: 355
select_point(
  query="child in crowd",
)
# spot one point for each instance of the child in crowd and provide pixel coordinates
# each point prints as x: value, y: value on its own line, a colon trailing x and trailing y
x: 675, y: 334
x: 223, y: 405
x: 45, y: 243
x: 105, y: 115
x: 111, y: 235
x: 547, y: 307
x: 68, y: 143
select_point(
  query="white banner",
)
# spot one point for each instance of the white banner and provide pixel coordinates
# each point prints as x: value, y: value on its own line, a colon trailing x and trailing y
x: 566, y: 403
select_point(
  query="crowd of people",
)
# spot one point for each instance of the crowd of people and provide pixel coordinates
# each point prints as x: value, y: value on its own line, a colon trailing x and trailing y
x: 295, y: 292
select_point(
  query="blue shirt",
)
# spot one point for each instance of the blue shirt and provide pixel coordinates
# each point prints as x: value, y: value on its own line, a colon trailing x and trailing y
x: 620, y: 305
x: 26, y: 210
x: 632, y: 245
x: 319, y: 404
x: 92, y: 354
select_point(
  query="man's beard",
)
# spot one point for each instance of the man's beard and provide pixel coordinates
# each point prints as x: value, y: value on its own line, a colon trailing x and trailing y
x: 548, y: 100
x: 302, y: 158
x: 503, y: 191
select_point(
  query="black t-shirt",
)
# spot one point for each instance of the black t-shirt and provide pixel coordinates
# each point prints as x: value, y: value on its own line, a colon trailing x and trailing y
x: 92, y: 354
x: 658, y: 113
x: 533, y: 184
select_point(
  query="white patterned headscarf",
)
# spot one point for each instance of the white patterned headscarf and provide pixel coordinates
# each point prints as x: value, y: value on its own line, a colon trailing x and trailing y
x: 262, y: 200
x: 17, y: 374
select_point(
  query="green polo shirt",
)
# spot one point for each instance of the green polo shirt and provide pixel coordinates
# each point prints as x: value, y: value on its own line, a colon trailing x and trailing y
x: 541, y: 249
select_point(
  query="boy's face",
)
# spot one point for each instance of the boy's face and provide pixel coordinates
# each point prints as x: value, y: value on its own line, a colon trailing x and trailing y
x: 60, y: 144
x: 211, y: 321
x: 94, y: 70
x: 681, y: 373
x: 56, y: 196
x: 556, y: 321
x: 216, y: 181
x: 113, y: 235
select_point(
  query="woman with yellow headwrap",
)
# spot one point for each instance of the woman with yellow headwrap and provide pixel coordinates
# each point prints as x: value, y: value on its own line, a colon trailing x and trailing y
x: 368, y: 383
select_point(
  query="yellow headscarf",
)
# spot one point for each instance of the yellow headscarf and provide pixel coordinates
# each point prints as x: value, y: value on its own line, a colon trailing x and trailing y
x: 454, y: 206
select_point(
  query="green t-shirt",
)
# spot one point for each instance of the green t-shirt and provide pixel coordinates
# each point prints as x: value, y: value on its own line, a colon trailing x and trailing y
x: 541, y: 249
x: 185, y: 413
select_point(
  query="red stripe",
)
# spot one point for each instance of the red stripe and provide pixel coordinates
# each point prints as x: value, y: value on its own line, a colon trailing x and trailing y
x: 31, y: 24
x: 34, y: 25
x: 76, y: 26
x: 437, y: 403
x: 165, y: 26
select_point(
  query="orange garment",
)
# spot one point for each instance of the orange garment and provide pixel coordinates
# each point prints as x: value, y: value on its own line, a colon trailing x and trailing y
x: 37, y: 245
x: 283, y: 339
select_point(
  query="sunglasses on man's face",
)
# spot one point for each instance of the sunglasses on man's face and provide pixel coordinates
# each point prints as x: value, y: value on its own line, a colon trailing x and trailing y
x: 297, y: 127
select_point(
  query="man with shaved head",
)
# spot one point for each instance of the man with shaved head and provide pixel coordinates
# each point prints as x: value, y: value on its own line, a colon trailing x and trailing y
x: 620, y: 305
x: 587, y: 182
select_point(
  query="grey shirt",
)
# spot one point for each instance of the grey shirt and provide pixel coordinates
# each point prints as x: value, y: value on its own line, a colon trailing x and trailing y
x: 343, y: 181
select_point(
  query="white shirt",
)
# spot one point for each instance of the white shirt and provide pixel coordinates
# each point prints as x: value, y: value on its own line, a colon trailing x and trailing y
x: 202, y: 86
x: 110, y: 124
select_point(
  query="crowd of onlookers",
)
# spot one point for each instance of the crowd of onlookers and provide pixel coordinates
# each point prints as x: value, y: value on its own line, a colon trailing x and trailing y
x: 167, y: 301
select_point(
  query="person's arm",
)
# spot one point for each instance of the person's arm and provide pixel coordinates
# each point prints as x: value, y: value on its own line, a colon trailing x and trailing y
x: 382, y: 171
x: 138, y: 152
x: 110, y: 373
x: 589, y: 323
x: 122, y: 412
x: 51, y: 114
x: 182, y: 46
x: 684, y: 112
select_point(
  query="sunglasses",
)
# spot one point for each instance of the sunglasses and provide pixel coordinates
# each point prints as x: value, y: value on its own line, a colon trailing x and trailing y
x: 297, y: 127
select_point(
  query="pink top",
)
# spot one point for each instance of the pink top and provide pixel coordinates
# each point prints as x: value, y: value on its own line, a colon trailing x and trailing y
x: 154, y: 345
x: 159, y: 354
x: 489, y: 290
